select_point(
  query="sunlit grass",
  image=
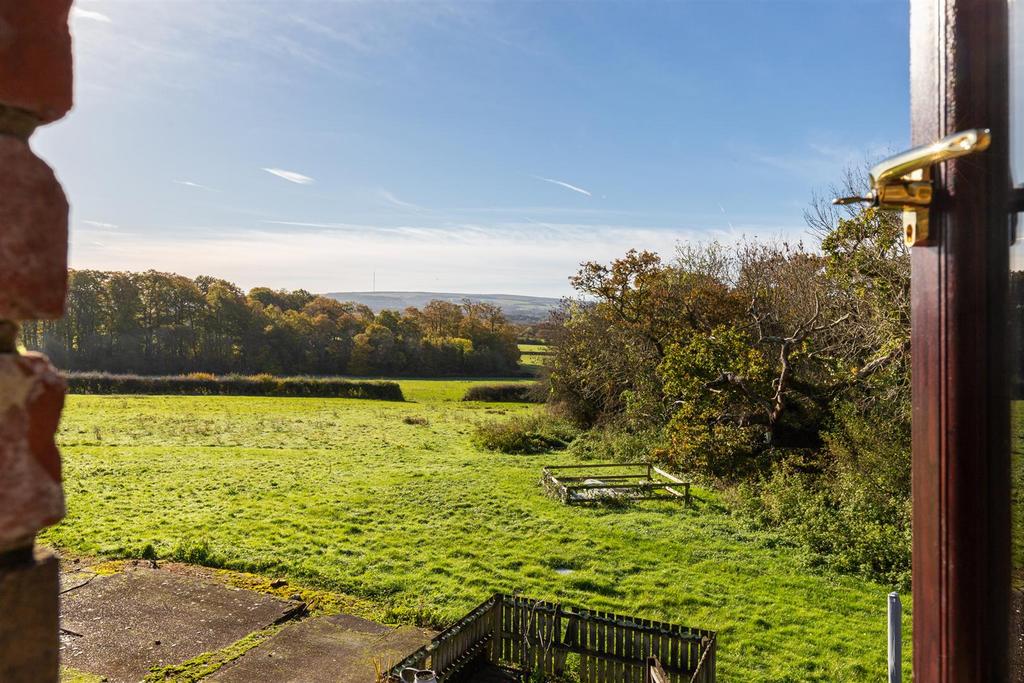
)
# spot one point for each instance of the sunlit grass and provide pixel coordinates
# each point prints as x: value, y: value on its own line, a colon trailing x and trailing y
x: 346, y: 495
x: 534, y: 355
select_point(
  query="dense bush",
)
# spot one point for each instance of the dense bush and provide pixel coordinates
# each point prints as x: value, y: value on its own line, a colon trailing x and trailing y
x: 844, y: 535
x: 703, y: 438
x: 526, y: 435
x: 611, y: 443
x: 848, y: 506
x: 232, y: 385
x: 518, y: 392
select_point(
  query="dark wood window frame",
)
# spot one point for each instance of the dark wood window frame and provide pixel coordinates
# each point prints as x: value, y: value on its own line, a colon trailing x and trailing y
x: 961, y: 374
x: 1017, y: 200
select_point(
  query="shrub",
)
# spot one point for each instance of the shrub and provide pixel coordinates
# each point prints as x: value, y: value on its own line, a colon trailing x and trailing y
x: 850, y: 513
x: 511, y: 392
x: 848, y: 536
x: 526, y: 435
x: 232, y: 385
x: 611, y: 443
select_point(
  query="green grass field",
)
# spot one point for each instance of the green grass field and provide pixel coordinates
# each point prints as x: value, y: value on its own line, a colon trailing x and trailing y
x: 534, y: 355
x: 343, y: 494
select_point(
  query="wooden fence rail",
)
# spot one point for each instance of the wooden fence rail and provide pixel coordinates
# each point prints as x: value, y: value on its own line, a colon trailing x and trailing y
x: 524, y: 635
x: 604, y: 482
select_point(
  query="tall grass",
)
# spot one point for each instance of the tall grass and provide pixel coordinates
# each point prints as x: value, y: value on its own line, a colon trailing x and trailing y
x: 525, y: 434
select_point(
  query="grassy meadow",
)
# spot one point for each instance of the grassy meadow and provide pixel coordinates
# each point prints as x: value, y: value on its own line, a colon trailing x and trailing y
x: 533, y: 355
x: 364, y: 497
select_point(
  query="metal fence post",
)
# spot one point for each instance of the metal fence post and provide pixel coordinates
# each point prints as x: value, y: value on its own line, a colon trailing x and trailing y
x: 895, y: 638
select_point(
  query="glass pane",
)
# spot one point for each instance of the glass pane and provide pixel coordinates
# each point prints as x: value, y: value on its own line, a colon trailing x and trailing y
x: 1016, y: 56
x: 1017, y: 456
x: 1017, y: 91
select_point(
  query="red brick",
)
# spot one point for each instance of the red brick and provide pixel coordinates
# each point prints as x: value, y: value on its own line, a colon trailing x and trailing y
x: 35, y: 57
x: 29, y: 627
x: 33, y: 235
x: 31, y: 398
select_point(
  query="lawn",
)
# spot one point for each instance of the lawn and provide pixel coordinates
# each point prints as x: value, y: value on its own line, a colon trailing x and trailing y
x: 343, y: 494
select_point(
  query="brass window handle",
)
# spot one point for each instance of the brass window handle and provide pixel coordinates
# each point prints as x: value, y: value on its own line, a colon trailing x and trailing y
x: 904, y: 181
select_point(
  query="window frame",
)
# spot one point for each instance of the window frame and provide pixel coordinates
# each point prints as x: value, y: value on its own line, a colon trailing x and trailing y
x: 960, y: 363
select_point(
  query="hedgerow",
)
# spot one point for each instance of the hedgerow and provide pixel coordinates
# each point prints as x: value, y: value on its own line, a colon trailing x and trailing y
x: 521, y: 392
x: 202, y: 384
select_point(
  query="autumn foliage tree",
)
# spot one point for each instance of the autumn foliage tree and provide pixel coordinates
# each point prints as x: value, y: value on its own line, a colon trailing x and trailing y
x: 162, y: 323
x: 774, y: 369
x: 612, y: 339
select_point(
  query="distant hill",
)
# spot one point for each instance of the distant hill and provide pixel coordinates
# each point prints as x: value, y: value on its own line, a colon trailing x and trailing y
x: 517, y: 308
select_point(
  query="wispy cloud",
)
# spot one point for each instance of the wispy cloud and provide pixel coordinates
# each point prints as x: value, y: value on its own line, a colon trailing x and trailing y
x: 198, y: 186
x: 101, y: 224
x: 354, y: 39
x: 91, y: 15
x: 822, y: 159
x: 390, y: 198
x: 726, y: 220
x: 380, y: 231
x: 564, y: 184
x: 339, y: 257
x: 290, y: 176
x: 312, y: 224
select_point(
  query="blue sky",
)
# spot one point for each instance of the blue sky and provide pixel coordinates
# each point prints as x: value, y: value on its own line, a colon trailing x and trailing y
x: 475, y: 147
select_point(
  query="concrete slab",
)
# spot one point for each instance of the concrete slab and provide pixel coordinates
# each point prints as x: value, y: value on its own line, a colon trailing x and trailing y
x: 121, y: 625
x: 339, y: 648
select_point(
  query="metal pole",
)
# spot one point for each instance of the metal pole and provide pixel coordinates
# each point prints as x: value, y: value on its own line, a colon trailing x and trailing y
x: 895, y: 638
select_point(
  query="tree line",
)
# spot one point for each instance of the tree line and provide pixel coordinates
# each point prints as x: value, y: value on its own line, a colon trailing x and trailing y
x: 155, y: 323
x: 779, y: 372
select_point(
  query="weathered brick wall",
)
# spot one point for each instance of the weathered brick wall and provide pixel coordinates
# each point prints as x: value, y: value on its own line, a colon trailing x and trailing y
x: 35, y: 88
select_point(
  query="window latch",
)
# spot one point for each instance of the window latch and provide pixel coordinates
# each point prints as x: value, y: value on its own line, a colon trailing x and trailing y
x: 904, y: 181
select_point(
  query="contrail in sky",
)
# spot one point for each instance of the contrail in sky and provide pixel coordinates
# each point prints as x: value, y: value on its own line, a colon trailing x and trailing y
x: 189, y: 183
x: 290, y: 176
x: 563, y: 184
